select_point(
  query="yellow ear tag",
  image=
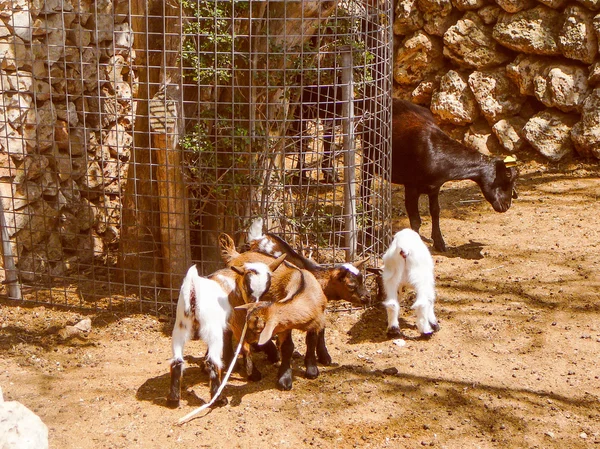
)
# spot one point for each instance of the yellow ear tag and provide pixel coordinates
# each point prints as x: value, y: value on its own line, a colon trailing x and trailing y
x: 510, y: 161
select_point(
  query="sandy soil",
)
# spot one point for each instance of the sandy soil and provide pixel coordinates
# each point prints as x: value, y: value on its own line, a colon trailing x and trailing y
x: 515, y: 364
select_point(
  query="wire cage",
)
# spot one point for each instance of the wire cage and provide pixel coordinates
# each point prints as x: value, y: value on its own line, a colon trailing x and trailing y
x: 132, y: 133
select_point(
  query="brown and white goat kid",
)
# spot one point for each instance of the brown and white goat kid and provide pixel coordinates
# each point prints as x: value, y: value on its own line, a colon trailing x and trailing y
x: 265, y: 319
x: 204, y: 309
x: 408, y: 262
x: 294, y: 301
x: 340, y: 282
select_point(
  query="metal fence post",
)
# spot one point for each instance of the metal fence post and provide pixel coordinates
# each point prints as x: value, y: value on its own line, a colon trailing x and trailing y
x: 349, y: 153
x: 12, y: 282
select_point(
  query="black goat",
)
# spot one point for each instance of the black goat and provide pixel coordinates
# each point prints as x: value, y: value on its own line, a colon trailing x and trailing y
x: 424, y: 158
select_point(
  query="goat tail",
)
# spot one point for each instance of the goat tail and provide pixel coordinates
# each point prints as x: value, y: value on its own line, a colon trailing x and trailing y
x: 187, y: 289
x: 255, y: 232
x: 227, y: 245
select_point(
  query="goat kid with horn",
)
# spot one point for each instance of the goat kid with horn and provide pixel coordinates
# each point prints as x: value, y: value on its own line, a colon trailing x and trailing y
x: 340, y: 282
x: 294, y: 301
x: 344, y: 282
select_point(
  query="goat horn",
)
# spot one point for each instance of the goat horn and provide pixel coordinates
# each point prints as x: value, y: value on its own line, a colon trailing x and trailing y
x: 273, y: 265
x: 238, y: 270
x: 246, y: 306
x: 361, y: 263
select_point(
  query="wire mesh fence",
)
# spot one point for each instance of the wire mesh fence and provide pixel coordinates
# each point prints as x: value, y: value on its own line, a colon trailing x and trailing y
x: 133, y: 132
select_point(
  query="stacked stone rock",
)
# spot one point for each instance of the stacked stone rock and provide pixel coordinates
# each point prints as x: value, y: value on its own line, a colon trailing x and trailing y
x: 504, y: 75
x: 65, y: 129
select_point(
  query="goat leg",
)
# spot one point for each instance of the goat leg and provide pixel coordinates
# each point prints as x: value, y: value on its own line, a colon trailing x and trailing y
x: 270, y: 349
x: 411, y: 202
x: 310, y: 359
x: 427, y: 323
x: 228, y: 351
x: 434, y: 210
x: 392, y: 308
x: 175, y: 389
x: 391, y: 283
x: 302, y: 142
x: 286, y: 346
x: 251, y: 371
x: 214, y: 376
x: 322, y: 354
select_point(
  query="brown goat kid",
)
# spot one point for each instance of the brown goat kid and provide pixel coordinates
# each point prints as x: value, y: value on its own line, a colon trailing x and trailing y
x: 295, y: 300
x: 340, y: 282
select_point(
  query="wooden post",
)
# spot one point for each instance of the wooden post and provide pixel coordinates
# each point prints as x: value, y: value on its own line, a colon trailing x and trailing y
x: 349, y: 153
x: 155, y: 217
x: 166, y: 124
x: 138, y: 259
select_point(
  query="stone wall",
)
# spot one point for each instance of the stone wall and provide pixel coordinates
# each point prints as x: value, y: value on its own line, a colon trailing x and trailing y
x: 65, y: 129
x: 504, y: 75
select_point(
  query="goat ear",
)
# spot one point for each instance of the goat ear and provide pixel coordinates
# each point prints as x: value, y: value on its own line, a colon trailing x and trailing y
x: 375, y: 270
x: 226, y: 245
x: 361, y: 263
x: 275, y: 264
x: 267, y: 332
x: 225, y: 240
x: 502, y: 170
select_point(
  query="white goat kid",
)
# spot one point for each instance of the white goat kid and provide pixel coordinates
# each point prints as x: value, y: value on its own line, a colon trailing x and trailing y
x: 204, y: 309
x: 408, y: 262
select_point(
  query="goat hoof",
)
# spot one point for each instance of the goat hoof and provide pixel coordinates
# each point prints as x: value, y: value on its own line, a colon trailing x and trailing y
x: 324, y: 359
x: 285, y: 384
x: 172, y: 402
x: 255, y: 376
x: 285, y: 380
x: 221, y: 402
x: 394, y: 331
x: 435, y: 326
x: 441, y: 247
x: 273, y: 358
x: 312, y: 372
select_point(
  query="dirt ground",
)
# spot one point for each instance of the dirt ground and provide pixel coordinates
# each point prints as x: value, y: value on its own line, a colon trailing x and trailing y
x: 515, y: 364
